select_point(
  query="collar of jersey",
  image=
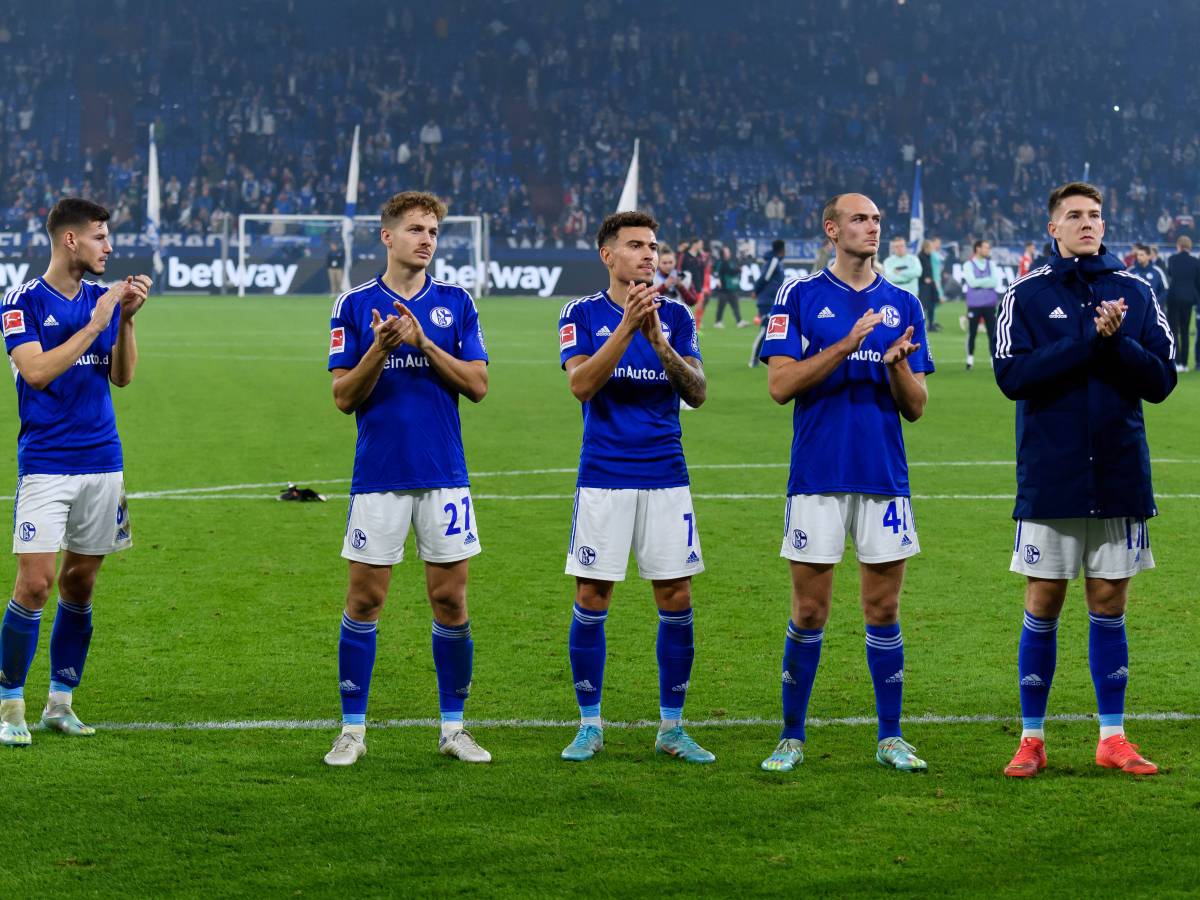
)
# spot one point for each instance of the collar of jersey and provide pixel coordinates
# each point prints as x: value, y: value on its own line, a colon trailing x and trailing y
x: 421, y: 293
x: 845, y: 287
x: 48, y: 286
x: 609, y: 301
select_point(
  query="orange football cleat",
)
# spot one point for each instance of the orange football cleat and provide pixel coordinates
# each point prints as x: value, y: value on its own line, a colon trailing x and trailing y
x: 1030, y: 759
x: 1117, y: 753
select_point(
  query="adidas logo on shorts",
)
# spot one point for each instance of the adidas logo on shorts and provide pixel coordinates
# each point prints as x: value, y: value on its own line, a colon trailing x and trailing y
x: 826, y: 313
x: 692, y: 559
x: 1032, y: 680
x: 906, y: 541
x: 470, y: 538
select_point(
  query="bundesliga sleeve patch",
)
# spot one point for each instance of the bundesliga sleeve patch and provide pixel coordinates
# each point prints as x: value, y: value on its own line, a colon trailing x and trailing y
x: 777, y: 327
x: 566, y: 336
x: 14, y: 322
x: 337, y: 340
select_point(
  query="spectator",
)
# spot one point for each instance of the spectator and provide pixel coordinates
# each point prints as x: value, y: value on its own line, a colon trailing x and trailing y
x: 729, y: 281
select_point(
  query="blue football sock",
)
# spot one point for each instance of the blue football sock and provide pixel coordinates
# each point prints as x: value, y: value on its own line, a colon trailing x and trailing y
x: 69, y: 640
x: 587, y: 650
x: 1108, y: 658
x: 18, y: 644
x: 885, y: 659
x: 356, y: 659
x: 453, y: 655
x: 1037, y: 656
x: 676, y: 651
x: 801, y: 656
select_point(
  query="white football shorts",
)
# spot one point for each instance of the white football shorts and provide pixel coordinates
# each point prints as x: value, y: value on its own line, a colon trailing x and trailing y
x: 1104, y: 548
x: 658, y: 524
x: 815, y: 528
x: 443, y: 520
x: 85, y: 514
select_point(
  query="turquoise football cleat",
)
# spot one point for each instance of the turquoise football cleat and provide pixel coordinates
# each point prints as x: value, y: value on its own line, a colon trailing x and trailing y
x: 676, y: 742
x: 788, y: 755
x: 896, y: 753
x: 61, y: 718
x: 589, y: 741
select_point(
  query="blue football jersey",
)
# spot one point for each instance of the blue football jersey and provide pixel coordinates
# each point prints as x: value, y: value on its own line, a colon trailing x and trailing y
x: 69, y: 428
x: 409, y: 433
x: 631, y: 434
x: 846, y: 430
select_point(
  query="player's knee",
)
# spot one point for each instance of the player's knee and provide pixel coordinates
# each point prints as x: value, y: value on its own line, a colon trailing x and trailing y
x: 33, y: 587
x: 881, y: 610
x: 76, y: 583
x: 674, y: 595
x: 449, y: 607
x: 364, y: 605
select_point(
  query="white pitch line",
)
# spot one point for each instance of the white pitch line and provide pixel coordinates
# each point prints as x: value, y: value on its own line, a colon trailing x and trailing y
x: 850, y: 721
x: 167, y: 495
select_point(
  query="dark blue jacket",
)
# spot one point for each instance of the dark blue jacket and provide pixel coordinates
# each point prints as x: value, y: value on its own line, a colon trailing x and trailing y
x: 768, y: 283
x: 1081, y: 438
x: 1153, y: 276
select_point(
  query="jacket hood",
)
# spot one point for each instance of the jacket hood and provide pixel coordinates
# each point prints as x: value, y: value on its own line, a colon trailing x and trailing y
x: 1086, y: 268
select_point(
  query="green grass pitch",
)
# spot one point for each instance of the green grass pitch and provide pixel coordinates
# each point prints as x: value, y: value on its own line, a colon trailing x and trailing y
x: 227, y: 610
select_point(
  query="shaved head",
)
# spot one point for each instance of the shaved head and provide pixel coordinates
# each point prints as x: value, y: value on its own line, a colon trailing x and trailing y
x: 836, y: 205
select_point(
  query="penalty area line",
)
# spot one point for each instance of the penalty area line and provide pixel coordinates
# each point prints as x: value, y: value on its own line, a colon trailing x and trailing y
x: 851, y: 721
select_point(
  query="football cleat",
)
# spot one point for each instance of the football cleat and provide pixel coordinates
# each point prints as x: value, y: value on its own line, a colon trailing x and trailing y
x: 61, y: 718
x: 1117, y: 753
x: 896, y: 753
x: 678, y: 743
x: 788, y: 755
x: 13, y: 730
x: 348, y: 748
x: 1029, y: 759
x: 589, y: 741
x: 462, y: 746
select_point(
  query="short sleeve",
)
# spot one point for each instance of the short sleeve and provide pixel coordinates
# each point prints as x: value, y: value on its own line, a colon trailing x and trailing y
x: 344, y: 352
x: 684, y: 339
x: 922, y: 359
x: 574, y: 337
x: 19, y: 320
x: 470, y: 344
x: 783, y: 327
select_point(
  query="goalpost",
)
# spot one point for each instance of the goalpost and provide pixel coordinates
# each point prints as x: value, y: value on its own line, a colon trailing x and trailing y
x: 462, y: 254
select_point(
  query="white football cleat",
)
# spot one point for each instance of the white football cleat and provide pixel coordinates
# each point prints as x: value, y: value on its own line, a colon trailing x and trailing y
x: 61, y: 718
x: 462, y: 746
x: 348, y: 748
x: 13, y: 730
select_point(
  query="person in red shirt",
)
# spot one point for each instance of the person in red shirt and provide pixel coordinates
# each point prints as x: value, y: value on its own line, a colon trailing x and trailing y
x: 1026, y: 260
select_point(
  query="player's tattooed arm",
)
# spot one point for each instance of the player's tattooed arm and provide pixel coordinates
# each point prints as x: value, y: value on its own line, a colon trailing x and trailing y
x: 908, y: 387
x: 686, y: 376
x: 788, y: 378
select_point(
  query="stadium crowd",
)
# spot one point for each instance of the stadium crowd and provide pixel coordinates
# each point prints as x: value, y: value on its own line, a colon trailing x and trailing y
x: 528, y: 112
